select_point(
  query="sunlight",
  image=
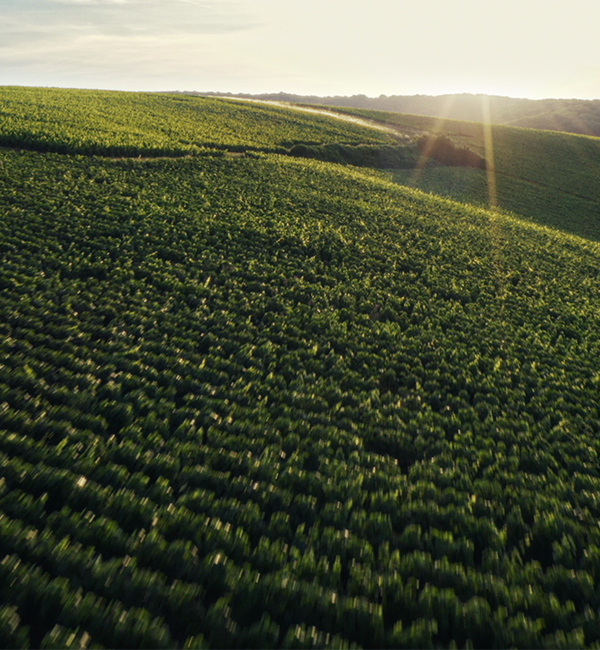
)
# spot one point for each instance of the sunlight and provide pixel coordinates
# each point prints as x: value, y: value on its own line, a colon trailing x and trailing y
x: 488, y: 141
x: 424, y: 157
x: 495, y: 227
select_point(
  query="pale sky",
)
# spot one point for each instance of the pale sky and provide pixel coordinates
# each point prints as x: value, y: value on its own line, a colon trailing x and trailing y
x: 519, y: 48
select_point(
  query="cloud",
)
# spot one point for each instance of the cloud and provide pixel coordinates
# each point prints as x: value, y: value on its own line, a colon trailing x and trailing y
x: 143, y: 44
x: 326, y: 47
x: 33, y: 18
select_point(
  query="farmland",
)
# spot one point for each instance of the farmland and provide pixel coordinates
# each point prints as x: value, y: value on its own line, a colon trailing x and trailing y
x: 263, y: 401
x: 132, y: 124
x: 540, y: 204
x: 550, y: 178
x: 569, y: 115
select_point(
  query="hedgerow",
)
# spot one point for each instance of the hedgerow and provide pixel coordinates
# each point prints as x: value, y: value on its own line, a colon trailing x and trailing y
x: 374, y: 156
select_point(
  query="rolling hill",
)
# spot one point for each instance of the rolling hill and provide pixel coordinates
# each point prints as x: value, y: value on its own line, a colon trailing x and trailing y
x: 252, y: 400
x: 550, y: 178
x: 571, y: 115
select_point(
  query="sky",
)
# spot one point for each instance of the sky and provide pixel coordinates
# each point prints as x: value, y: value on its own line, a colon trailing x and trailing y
x: 517, y: 48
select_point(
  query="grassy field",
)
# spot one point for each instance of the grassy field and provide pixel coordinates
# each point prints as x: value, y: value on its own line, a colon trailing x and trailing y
x: 270, y: 402
x: 568, y: 115
x: 132, y: 124
x: 550, y: 178
x: 528, y: 201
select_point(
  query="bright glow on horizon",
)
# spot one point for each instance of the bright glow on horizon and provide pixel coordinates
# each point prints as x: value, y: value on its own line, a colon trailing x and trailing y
x: 520, y: 48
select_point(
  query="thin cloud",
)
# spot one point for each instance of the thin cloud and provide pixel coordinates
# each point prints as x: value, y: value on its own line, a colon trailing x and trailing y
x: 315, y: 47
x: 115, y: 43
x: 122, y: 17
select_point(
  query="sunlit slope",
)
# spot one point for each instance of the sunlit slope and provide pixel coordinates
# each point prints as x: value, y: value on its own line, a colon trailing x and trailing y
x: 570, y: 115
x: 278, y: 403
x: 128, y: 124
x: 532, y: 202
x: 553, y: 178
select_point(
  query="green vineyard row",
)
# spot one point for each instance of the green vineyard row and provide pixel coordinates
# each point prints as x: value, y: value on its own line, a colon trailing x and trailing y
x: 281, y: 403
x: 137, y: 124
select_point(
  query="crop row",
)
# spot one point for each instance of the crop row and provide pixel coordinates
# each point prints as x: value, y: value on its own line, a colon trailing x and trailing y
x: 238, y: 411
x: 132, y: 124
x: 549, y: 177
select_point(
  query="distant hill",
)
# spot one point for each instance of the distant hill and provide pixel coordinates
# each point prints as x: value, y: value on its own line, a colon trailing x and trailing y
x: 570, y: 115
x: 548, y: 177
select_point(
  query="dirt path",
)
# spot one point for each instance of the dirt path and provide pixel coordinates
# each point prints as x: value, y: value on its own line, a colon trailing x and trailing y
x: 362, y: 121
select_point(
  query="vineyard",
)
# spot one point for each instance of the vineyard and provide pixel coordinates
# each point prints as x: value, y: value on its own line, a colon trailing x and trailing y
x: 550, y: 178
x: 543, y: 205
x: 270, y: 402
x: 137, y: 124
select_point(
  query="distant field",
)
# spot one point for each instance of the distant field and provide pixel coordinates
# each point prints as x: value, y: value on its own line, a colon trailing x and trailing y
x: 552, y: 178
x: 131, y: 124
x: 569, y: 115
x: 542, y: 205
x: 564, y: 161
x: 260, y: 401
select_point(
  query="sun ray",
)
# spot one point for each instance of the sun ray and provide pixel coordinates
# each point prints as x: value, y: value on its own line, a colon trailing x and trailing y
x: 496, y: 238
x: 437, y: 128
x: 488, y: 141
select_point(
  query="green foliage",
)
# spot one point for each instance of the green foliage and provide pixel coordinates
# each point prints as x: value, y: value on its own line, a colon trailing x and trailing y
x: 551, y: 178
x: 138, y: 124
x: 60, y: 637
x: 540, y: 204
x: 12, y: 634
x: 272, y: 402
x: 441, y: 149
x: 375, y: 156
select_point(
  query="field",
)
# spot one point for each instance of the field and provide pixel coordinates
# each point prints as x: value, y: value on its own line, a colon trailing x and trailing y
x: 550, y: 178
x: 263, y: 401
x: 570, y: 115
x: 539, y: 204
x: 133, y: 124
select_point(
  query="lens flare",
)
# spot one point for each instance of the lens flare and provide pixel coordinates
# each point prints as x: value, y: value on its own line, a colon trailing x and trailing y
x: 437, y: 128
x: 488, y: 142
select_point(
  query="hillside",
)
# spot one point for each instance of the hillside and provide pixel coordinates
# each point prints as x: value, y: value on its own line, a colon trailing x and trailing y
x: 132, y: 124
x: 550, y: 178
x: 261, y: 401
x: 571, y: 115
